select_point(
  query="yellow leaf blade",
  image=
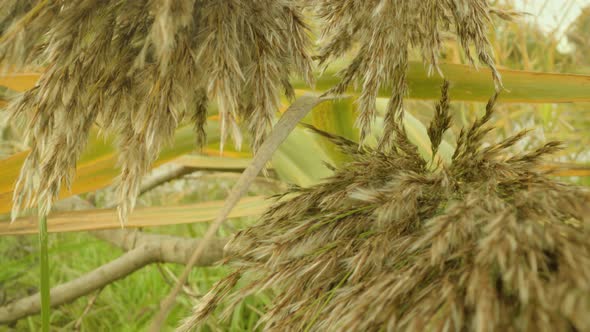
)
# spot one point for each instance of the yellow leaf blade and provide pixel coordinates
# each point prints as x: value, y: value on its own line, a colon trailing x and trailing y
x: 95, y: 170
x: 19, y: 81
x: 96, y: 219
x: 565, y: 169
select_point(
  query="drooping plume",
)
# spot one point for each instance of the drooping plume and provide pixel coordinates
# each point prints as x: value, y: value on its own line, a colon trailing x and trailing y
x: 383, y: 32
x: 137, y: 68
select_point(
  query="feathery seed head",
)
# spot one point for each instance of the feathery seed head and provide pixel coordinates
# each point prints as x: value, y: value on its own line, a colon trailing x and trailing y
x: 384, y: 31
x: 483, y: 244
x: 137, y: 68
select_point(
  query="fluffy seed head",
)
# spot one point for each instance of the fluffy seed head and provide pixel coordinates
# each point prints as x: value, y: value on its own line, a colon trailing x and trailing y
x: 137, y: 68
x: 389, y: 243
x: 383, y: 32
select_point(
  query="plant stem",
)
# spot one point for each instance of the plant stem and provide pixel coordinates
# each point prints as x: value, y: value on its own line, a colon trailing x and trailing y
x: 44, y: 259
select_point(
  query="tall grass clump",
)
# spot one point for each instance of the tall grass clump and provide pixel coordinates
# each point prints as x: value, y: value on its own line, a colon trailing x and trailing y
x: 393, y: 242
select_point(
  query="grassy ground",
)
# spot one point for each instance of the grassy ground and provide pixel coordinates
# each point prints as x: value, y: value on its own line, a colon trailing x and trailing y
x: 129, y: 304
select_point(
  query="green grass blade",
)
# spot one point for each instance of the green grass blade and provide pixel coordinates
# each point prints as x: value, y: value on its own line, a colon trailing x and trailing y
x: 336, y: 117
x: 470, y: 84
x: 44, y: 261
x: 300, y: 159
x: 467, y: 84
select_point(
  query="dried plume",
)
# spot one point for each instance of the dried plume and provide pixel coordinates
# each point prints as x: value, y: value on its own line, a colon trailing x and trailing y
x: 383, y: 32
x: 137, y: 68
x: 391, y: 243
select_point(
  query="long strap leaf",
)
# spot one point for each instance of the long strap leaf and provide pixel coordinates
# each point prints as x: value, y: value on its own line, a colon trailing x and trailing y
x: 467, y: 84
x: 97, y: 219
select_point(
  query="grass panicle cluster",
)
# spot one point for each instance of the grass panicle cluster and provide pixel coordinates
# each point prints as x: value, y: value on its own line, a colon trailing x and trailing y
x: 137, y: 68
x: 382, y: 32
x: 391, y: 242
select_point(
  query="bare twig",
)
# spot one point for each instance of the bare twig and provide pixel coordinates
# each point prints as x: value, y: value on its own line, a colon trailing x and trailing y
x: 91, y: 301
x: 172, y: 249
x: 279, y: 133
x: 67, y: 292
x: 156, y: 180
x: 143, y: 249
x: 171, y: 280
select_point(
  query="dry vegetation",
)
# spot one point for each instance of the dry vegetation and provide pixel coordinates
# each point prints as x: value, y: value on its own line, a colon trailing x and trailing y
x: 384, y: 33
x: 137, y: 67
x: 391, y: 242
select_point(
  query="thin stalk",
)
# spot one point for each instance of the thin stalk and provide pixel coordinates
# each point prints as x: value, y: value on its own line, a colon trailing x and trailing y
x: 43, y: 251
